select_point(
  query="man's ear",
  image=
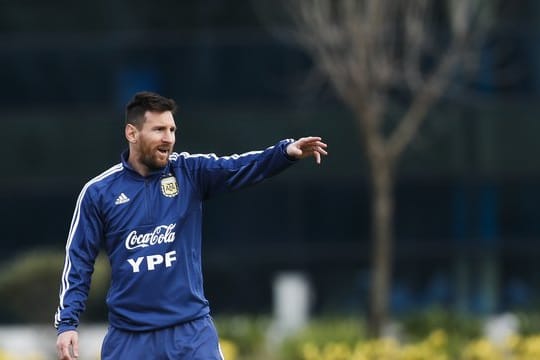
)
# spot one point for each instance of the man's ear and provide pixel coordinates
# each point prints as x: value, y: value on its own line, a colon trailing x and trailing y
x: 131, y: 133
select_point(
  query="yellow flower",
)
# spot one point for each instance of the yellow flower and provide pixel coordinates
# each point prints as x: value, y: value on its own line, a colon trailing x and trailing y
x: 437, y: 338
x: 529, y: 347
x: 10, y: 356
x: 378, y: 349
x: 336, y: 351
x: 481, y: 350
x: 229, y: 349
x: 310, y: 351
x: 512, y: 343
x: 433, y: 347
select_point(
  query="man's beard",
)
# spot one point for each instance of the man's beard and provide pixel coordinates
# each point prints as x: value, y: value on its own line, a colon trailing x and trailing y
x: 152, y: 162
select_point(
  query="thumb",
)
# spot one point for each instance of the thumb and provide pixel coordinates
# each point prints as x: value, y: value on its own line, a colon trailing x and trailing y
x: 293, y: 150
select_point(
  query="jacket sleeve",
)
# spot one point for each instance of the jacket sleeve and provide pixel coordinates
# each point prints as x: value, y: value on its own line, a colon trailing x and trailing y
x: 82, y: 248
x: 216, y: 175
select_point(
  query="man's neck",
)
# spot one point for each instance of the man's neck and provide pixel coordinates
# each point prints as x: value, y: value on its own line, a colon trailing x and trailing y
x: 137, y: 165
x: 139, y: 168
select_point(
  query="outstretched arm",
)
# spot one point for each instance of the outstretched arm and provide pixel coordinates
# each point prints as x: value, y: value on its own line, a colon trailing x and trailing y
x: 306, y: 147
x: 213, y: 174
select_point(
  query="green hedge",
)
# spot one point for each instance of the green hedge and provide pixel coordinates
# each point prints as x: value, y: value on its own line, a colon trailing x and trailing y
x: 325, y: 330
x: 30, y: 282
x: 248, y: 333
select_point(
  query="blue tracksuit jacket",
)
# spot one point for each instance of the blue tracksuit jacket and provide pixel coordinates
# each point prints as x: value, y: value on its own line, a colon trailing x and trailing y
x: 150, y: 228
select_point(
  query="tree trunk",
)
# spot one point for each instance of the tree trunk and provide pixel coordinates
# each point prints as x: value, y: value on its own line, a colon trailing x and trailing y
x: 382, y: 237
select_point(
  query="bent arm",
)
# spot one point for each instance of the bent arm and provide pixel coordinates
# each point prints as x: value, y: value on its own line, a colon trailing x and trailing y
x: 82, y: 248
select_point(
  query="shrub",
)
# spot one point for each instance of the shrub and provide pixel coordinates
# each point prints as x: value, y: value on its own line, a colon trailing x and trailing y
x: 29, y: 285
x: 460, y: 328
x: 248, y: 334
x: 229, y: 349
x: 331, y: 335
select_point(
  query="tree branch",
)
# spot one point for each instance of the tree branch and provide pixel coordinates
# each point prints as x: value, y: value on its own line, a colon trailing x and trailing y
x: 422, y: 102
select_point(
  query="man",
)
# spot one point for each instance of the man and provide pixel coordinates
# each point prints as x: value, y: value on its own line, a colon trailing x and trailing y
x: 146, y: 212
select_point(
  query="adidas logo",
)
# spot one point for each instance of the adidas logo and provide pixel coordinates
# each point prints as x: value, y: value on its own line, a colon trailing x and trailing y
x: 121, y: 199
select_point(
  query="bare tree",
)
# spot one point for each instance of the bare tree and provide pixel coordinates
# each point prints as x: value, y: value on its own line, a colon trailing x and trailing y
x: 369, y: 50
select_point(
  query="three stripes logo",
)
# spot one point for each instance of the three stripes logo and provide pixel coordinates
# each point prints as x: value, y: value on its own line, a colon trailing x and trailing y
x: 121, y: 199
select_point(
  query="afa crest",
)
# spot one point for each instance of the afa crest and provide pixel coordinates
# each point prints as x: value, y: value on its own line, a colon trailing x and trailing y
x: 169, y: 186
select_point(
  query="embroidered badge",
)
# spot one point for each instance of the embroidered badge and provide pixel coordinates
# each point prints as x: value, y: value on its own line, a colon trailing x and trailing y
x: 169, y: 186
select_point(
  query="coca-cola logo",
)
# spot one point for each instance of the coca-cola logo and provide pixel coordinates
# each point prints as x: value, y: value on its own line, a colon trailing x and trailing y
x: 162, y: 234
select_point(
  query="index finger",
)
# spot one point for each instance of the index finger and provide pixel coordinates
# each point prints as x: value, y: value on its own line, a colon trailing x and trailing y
x: 309, y: 139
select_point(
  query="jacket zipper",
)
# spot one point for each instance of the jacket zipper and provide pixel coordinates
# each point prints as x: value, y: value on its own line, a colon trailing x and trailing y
x: 148, y: 202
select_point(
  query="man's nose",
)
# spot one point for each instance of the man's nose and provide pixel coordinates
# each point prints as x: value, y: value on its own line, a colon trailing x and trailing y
x: 168, y: 137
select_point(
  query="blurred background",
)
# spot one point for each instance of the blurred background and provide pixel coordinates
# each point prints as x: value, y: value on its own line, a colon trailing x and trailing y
x: 466, y: 223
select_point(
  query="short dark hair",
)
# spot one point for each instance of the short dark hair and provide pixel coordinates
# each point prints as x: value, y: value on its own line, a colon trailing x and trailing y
x: 147, y: 101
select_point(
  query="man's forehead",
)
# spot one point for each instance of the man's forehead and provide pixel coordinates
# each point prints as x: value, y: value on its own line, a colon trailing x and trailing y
x: 162, y: 118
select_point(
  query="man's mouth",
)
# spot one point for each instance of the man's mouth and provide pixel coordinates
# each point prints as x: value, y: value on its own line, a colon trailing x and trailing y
x: 163, y: 151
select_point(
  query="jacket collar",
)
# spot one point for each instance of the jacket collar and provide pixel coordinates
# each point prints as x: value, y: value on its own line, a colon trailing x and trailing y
x: 161, y: 172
